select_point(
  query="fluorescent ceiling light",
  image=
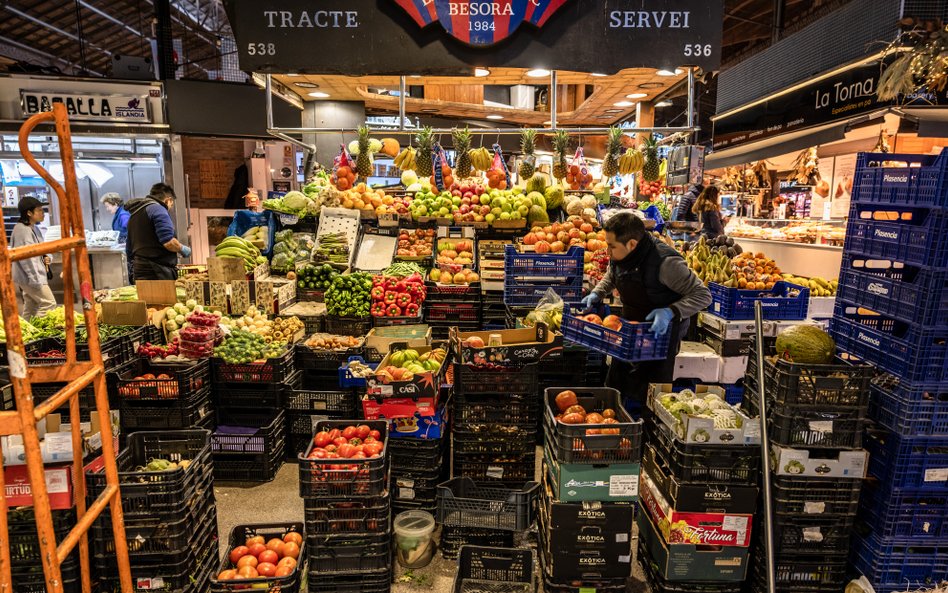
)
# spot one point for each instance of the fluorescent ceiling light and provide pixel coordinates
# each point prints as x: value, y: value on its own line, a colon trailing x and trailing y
x: 538, y: 73
x: 663, y: 104
x: 414, y: 76
x: 495, y: 116
x: 624, y: 104
x: 651, y: 85
x: 598, y: 74
x: 481, y: 72
x: 318, y: 95
x: 636, y: 95
x: 292, y: 75
x: 669, y: 72
x: 307, y: 85
x: 548, y: 123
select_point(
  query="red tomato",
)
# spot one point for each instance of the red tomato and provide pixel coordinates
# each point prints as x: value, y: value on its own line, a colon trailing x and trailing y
x: 332, y: 455
x: 227, y: 575
x: 276, y: 545
x: 266, y: 569
x: 363, y: 430
x: 256, y: 548
x: 350, y: 432
x: 248, y: 572
x: 250, y: 561
x: 322, y: 439
x: 372, y: 449
x: 288, y: 561
x: 375, y: 434
x: 340, y: 441
x: 293, y: 537
x: 370, y: 439
x: 291, y: 550
x: 347, y: 451
x: 269, y: 555
x: 335, y: 432
x: 318, y: 454
x: 238, y: 553
x: 257, y: 539
x: 283, y: 570
x: 331, y: 448
x: 359, y: 455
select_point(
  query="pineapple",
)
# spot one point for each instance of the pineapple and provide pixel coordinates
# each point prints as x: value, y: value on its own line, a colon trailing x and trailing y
x: 610, y: 164
x: 650, y: 170
x: 528, y: 145
x: 560, y: 148
x: 425, y: 140
x: 462, y: 148
x: 364, y: 158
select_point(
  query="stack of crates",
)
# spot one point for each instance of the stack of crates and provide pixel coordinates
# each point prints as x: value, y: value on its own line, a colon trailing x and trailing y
x: 418, y: 466
x: 493, y: 437
x: 348, y: 519
x: 175, y: 396
x: 170, y: 514
x: 493, y: 309
x: 590, y: 485
x: 490, y: 262
x: 26, y: 563
x: 528, y: 276
x: 892, y: 311
x: 698, y: 497
x: 452, y: 305
x: 319, y: 369
x: 249, y: 442
x: 816, y: 416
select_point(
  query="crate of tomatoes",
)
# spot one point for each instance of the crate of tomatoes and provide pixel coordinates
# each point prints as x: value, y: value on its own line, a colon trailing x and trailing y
x: 262, y: 557
x: 345, y: 459
x: 589, y: 425
x: 147, y: 380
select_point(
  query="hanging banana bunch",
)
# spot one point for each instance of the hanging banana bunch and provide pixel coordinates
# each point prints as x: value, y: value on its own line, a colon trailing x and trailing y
x: 481, y: 158
x: 405, y: 161
x: 631, y: 162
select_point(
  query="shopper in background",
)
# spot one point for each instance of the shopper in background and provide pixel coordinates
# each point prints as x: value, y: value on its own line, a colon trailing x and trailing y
x: 116, y: 207
x: 708, y: 210
x: 683, y: 212
x: 152, y: 249
x: 31, y: 276
x: 655, y: 284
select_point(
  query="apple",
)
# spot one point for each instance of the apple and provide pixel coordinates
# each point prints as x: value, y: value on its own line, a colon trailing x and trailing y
x: 474, y: 342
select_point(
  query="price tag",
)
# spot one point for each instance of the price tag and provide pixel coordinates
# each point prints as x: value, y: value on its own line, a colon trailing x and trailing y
x: 938, y: 474
x: 812, y: 534
x: 814, y: 508
x: 625, y: 559
x: 406, y: 493
x: 495, y: 472
x: 621, y: 538
x: 622, y: 485
x: 821, y: 425
x: 405, y: 483
x: 737, y: 524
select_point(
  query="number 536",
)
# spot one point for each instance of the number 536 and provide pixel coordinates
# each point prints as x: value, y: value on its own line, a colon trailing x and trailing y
x: 697, y: 50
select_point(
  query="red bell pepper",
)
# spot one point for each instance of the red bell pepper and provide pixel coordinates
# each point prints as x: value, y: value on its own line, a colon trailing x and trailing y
x: 415, y: 279
x: 401, y: 286
x: 378, y: 309
x: 403, y: 300
x: 390, y: 297
x: 412, y: 309
x: 393, y: 311
x: 378, y: 293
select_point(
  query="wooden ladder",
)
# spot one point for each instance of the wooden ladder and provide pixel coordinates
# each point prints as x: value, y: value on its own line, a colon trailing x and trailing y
x: 76, y: 374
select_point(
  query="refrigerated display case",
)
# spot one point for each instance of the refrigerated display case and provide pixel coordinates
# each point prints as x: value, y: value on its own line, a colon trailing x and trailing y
x: 801, y: 247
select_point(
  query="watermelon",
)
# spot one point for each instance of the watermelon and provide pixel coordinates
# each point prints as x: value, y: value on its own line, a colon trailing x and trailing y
x: 806, y: 344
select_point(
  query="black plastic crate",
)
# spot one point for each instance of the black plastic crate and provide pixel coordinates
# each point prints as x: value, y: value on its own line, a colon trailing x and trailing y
x: 815, y: 497
x: 272, y: 370
x: 341, y: 403
x: 469, y: 379
x: 493, y: 570
x: 249, y: 468
x: 411, y: 453
x: 836, y: 386
x: 340, y: 478
x: 804, y: 535
x: 175, y: 414
x: 515, y: 469
x: 453, y: 538
x: 813, y: 572
x: 417, y: 484
x: 147, y: 493
x: 811, y: 428
x: 727, y: 464
x: 521, y: 410
x: 24, y: 541
x: 493, y: 439
x: 348, y: 553
x: 32, y: 579
x: 452, y: 313
x: 907, y: 410
x: 183, y: 380
x: 323, y: 360
x: 465, y: 503
x: 255, y: 396
x: 240, y: 534
x: 377, y: 581
x: 358, y: 515
x: 320, y: 380
x: 453, y: 293
x: 244, y: 433
x: 573, y: 443
x: 919, y: 563
x: 348, y: 326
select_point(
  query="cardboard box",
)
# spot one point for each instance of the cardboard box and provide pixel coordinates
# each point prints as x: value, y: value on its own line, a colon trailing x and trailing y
x: 798, y: 462
x: 157, y: 292
x: 695, y: 430
x: 733, y: 369
x: 566, y: 564
x: 617, y: 517
x: 607, y: 539
x: 700, y: 498
x: 692, y: 562
x: 618, y: 482
x: 422, y: 418
x: 518, y: 346
x: 210, y: 294
x: 124, y: 312
x: 225, y: 269
x: 697, y: 361
x: 58, y: 486
x: 821, y: 307
x: 381, y: 338
x: 426, y: 384
x: 697, y: 528
x: 727, y: 330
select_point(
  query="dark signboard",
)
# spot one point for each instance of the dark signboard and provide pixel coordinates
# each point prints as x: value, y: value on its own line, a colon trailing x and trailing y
x: 838, y: 97
x: 393, y: 37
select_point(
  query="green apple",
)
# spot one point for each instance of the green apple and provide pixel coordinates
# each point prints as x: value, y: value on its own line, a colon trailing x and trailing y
x: 490, y: 218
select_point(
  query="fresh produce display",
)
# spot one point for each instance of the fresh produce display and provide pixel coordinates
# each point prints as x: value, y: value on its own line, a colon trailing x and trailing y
x: 708, y: 405
x: 349, y: 295
x: 425, y: 154
x: 482, y: 159
x: 558, y: 237
x: 405, y: 364
x: 631, y: 162
x: 332, y: 248
x: 240, y: 248
x: 595, y: 268
x: 462, y: 148
x: 805, y: 344
x: 582, y: 205
x: 415, y: 243
x: 448, y: 275
x: 560, y: 150
x: 570, y: 412
x: 651, y: 189
x: 362, y: 197
x: 312, y: 277
x: 663, y: 208
x: 528, y: 147
x: 159, y: 464
x: 359, y: 370
x: 289, y: 248
x: 302, y: 204
x: 397, y: 297
x: 651, y: 167
x: 405, y: 161
x: 241, y: 347
x: 753, y: 271
x: 332, y: 342
x: 610, y: 164
x: 551, y: 315
x: 53, y: 323
x: 402, y: 269
x: 711, y: 261
x: 174, y: 317
x: 258, y: 559
x: 165, y: 384
x: 613, y: 322
x: 259, y: 236
x: 158, y: 351
x: 819, y: 287
x: 472, y: 207
x: 352, y: 442
x: 455, y: 251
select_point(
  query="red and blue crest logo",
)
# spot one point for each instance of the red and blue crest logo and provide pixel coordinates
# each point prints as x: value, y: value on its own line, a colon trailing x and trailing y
x: 481, y: 22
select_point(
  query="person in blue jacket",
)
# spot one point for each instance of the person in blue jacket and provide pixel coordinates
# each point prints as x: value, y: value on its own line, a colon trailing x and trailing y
x: 152, y: 249
x: 116, y: 207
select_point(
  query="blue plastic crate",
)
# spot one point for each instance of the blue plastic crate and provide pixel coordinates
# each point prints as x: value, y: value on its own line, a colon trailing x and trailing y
x: 912, y: 293
x: 633, y: 343
x: 916, y: 354
x: 907, y: 410
x: 925, y: 184
x: 518, y: 294
x: 915, y: 514
x: 733, y: 394
x: 908, y: 462
x: 784, y: 301
x: 543, y: 265
x: 346, y: 380
x: 918, y: 236
x: 909, y: 564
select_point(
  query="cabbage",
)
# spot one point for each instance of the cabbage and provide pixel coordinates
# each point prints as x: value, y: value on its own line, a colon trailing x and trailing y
x: 295, y: 200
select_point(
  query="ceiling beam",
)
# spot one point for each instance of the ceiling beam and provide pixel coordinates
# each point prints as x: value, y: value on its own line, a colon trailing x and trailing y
x: 67, y: 34
x: 33, y: 50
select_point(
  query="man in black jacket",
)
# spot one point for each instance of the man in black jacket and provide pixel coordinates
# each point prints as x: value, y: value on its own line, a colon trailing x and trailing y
x: 655, y: 284
x: 683, y: 212
x: 152, y: 249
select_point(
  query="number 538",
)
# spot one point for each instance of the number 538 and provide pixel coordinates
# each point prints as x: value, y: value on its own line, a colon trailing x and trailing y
x: 265, y: 49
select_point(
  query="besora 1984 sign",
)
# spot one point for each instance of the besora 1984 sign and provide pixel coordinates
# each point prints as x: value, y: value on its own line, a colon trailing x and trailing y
x: 451, y: 37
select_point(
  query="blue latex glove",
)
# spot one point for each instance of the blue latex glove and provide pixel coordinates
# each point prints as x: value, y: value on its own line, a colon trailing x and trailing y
x: 591, y: 300
x: 185, y: 251
x: 661, y: 319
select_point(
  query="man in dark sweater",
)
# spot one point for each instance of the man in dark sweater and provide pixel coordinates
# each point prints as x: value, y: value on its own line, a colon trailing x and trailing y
x: 655, y: 284
x: 152, y: 249
x: 683, y: 212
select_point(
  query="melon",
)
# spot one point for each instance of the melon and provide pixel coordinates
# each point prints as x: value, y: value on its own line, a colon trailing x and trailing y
x: 537, y: 215
x: 537, y: 183
x: 806, y: 344
x: 554, y: 197
x: 537, y: 199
